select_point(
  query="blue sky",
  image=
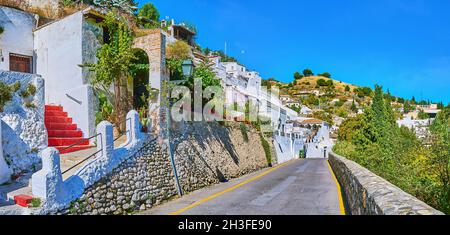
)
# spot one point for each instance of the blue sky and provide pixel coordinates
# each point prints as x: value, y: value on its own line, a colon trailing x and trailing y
x: 403, y: 45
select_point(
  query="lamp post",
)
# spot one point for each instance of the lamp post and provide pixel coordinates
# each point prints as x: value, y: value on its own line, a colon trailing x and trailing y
x: 188, y: 68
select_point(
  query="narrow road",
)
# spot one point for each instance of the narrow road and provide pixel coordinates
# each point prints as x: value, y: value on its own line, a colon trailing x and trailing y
x: 299, y: 187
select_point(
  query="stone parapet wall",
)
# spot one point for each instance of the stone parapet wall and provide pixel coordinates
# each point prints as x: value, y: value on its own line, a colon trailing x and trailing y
x: 369, y: 194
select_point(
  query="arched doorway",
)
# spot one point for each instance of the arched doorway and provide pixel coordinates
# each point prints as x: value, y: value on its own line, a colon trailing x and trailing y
x: 140, y: 79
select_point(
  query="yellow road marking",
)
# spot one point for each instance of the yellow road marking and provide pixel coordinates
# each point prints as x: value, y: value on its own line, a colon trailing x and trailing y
x: 229, y: 189
x: 341, y: 201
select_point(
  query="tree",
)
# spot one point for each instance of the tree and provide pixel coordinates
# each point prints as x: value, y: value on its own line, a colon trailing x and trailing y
x: 353, y: 107
x: 207, y: 51
x: 407, y: 107
x: 322, y: 82
x: 179, y: 50
x: 113, y: 66
x: 149, y: 16
x: 326, y: 74
x: 440, y: 158
x: 308, y: 73
x: 422, y: 115
x: 298, y: 76
x: 347, y: 88
x: 128, y: 6
x: 363, y: 91
x: 347, y: 129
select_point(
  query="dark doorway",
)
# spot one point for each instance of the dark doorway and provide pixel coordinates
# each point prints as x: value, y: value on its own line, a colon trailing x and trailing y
x: 20, y: 63
x: 141, y: 84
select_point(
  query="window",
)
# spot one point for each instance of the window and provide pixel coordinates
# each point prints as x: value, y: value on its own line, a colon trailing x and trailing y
x: 20, y: 63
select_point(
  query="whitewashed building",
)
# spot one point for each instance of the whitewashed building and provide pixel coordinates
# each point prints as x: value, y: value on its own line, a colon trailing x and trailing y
x: 17, y: 40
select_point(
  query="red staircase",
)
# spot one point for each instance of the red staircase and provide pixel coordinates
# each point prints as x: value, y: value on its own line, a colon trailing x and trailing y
x: 62, y: 132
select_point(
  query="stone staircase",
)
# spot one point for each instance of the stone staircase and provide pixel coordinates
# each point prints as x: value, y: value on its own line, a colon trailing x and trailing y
x: 62, y: 132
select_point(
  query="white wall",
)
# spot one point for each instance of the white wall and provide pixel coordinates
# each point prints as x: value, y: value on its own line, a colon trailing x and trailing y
x: 23, y: 129
x: 18, y: 35
x: 5, y: 172
x: 59, y: 53
x: 284, y: 149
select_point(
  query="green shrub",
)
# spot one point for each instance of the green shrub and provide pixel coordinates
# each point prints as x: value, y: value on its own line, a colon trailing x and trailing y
x: 16, y: 87
x: 5, y: 95
x: 24, y: 94
x: 2, y: 29
x: 267, y: 150
x: 30, y: 105
x: 244, y: 131
x: 35, y: 203
x: 31, y: 89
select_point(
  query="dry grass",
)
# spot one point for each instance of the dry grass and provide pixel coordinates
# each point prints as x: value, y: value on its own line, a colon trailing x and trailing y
x: 309, y: 83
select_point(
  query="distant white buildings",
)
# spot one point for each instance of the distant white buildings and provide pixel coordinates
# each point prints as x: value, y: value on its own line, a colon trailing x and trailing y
x: 420, y: 127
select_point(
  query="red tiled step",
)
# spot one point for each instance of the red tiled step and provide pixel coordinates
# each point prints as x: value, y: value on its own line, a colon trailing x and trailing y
x: 73, y: 149
x: 66, y: 141
x: 65, y: 133
x: 53, y: 108
x: 61, y: 126
x: 55, y: 114
x: 23, y: 200
x: 58, y: 120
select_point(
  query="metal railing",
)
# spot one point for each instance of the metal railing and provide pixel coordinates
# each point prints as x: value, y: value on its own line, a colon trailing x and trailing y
x: 78, y: 143
x: 98, y: 150
x: 83, y: 161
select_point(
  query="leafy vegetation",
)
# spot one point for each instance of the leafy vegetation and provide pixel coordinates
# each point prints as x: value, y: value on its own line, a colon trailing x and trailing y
x: 326, y: 74
x: 2, y: 29
x: 308, y: 73
x: 322, y: 82
x: 363, y: 92
x: 422, y: 115
x: 114, y: 66
x: 375, y: 141
x: 148, y: 16
x: 35, y: 202
x: 298, y: 76
x: 244, y: 131
x: 5, y: 95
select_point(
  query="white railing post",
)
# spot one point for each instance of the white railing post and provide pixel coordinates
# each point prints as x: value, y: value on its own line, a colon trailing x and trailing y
x: 133, y: 127
x: 105, y: 140
x: 5, y: 172
x: 48, y: 182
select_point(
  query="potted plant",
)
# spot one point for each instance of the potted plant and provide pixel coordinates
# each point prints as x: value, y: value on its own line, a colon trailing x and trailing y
x: 145, y: 121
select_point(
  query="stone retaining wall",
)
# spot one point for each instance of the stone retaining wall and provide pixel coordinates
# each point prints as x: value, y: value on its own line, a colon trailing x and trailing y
x: 139, y: 183
x: 204, y: 153
x: 369, y: 194
x: 208, y: 153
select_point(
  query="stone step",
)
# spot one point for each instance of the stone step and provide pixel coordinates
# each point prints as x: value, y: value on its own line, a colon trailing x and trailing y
x: 58, y: 142
x: 61, y: 126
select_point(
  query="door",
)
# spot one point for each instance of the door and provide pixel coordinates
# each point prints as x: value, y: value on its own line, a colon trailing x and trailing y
x: 20, y: 63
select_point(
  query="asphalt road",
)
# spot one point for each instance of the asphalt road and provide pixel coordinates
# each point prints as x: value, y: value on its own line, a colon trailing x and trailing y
x: 299, y: 187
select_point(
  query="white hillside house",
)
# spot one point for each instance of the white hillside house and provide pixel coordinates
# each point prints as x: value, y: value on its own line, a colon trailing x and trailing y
x: 17, y: 41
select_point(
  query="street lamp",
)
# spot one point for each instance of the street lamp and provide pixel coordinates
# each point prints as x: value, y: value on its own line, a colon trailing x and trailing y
x: 188, y: 68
